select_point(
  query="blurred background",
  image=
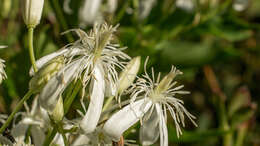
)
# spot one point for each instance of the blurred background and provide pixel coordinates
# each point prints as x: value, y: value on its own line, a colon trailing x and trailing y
x: 215, y: 43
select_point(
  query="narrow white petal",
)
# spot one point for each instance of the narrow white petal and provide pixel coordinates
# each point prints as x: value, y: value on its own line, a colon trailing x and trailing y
x: 56, y: 85
x: 58, y: 140
x: 90, y: 120
x: 18, y: 132
x: 38, y: 135
x: 40, y: 62
x: 125, y: 118
x: 162, y: 126
x: 149, y: 130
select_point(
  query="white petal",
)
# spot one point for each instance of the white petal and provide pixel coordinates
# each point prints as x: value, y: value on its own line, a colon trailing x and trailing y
x: 18, y: 132
x: 162, y: 126
x: 58, y: 140
x: 38, y: 135
x: 40, y: 62
x: 125, y: 118
x: 149, y: 131
x: 81, y: 140
x: 90, y: 120
x: 57, y: 84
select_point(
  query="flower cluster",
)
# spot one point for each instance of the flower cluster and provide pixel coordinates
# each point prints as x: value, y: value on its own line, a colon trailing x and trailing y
x: 94, y: 61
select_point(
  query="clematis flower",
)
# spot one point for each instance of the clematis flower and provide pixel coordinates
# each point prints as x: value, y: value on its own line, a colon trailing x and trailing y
x: 156, y: 97
x: 93, y: 59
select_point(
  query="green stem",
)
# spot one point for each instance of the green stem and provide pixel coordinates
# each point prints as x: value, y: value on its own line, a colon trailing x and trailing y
x: 61, y: 18
x: 241, y: 135
x: 17, y: 108
x: 61, y: 131
x: 31, y: 52
x: 70, y: 97
x: 227, y: 138
x: 50, y: 137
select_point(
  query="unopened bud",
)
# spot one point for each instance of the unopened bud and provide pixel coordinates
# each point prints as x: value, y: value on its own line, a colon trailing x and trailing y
x: 128, y: 75
x: 58, y: 112
x: 32, y: 12
x: 45, y: 73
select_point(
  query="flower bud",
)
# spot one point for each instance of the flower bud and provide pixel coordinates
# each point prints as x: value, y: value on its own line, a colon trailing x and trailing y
x: 32, y: 12
x: 58, y: 112
x: 45, y: 73
x: 127, y: 77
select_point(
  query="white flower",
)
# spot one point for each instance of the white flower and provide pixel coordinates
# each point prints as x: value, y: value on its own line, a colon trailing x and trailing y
x: 37, y: 119
x: 32, y: 12
x: 92, y: 58
x: 158, y: 97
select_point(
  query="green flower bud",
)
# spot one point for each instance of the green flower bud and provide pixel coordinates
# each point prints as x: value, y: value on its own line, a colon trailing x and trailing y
x: 58, y: 112
x: 128, y: 75
x: 45, y: 73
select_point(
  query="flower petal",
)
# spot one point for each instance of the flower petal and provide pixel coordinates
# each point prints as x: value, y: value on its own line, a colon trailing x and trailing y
x: 149, y: 132
x: 40, y: 62
x: 38, y: 135
x: 125, y: 118
x: 81, y: 140
x: 90, y: 120
x: 57, y: 84
x: 162, y: 126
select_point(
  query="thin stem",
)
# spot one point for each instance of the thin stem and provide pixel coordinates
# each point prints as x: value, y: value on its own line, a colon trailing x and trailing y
x: 70, y: 97
x: 61, y: 131
x: 61, y: 18
x: 242, y: 130
x: 31, y: 51
x: 17, y: 108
